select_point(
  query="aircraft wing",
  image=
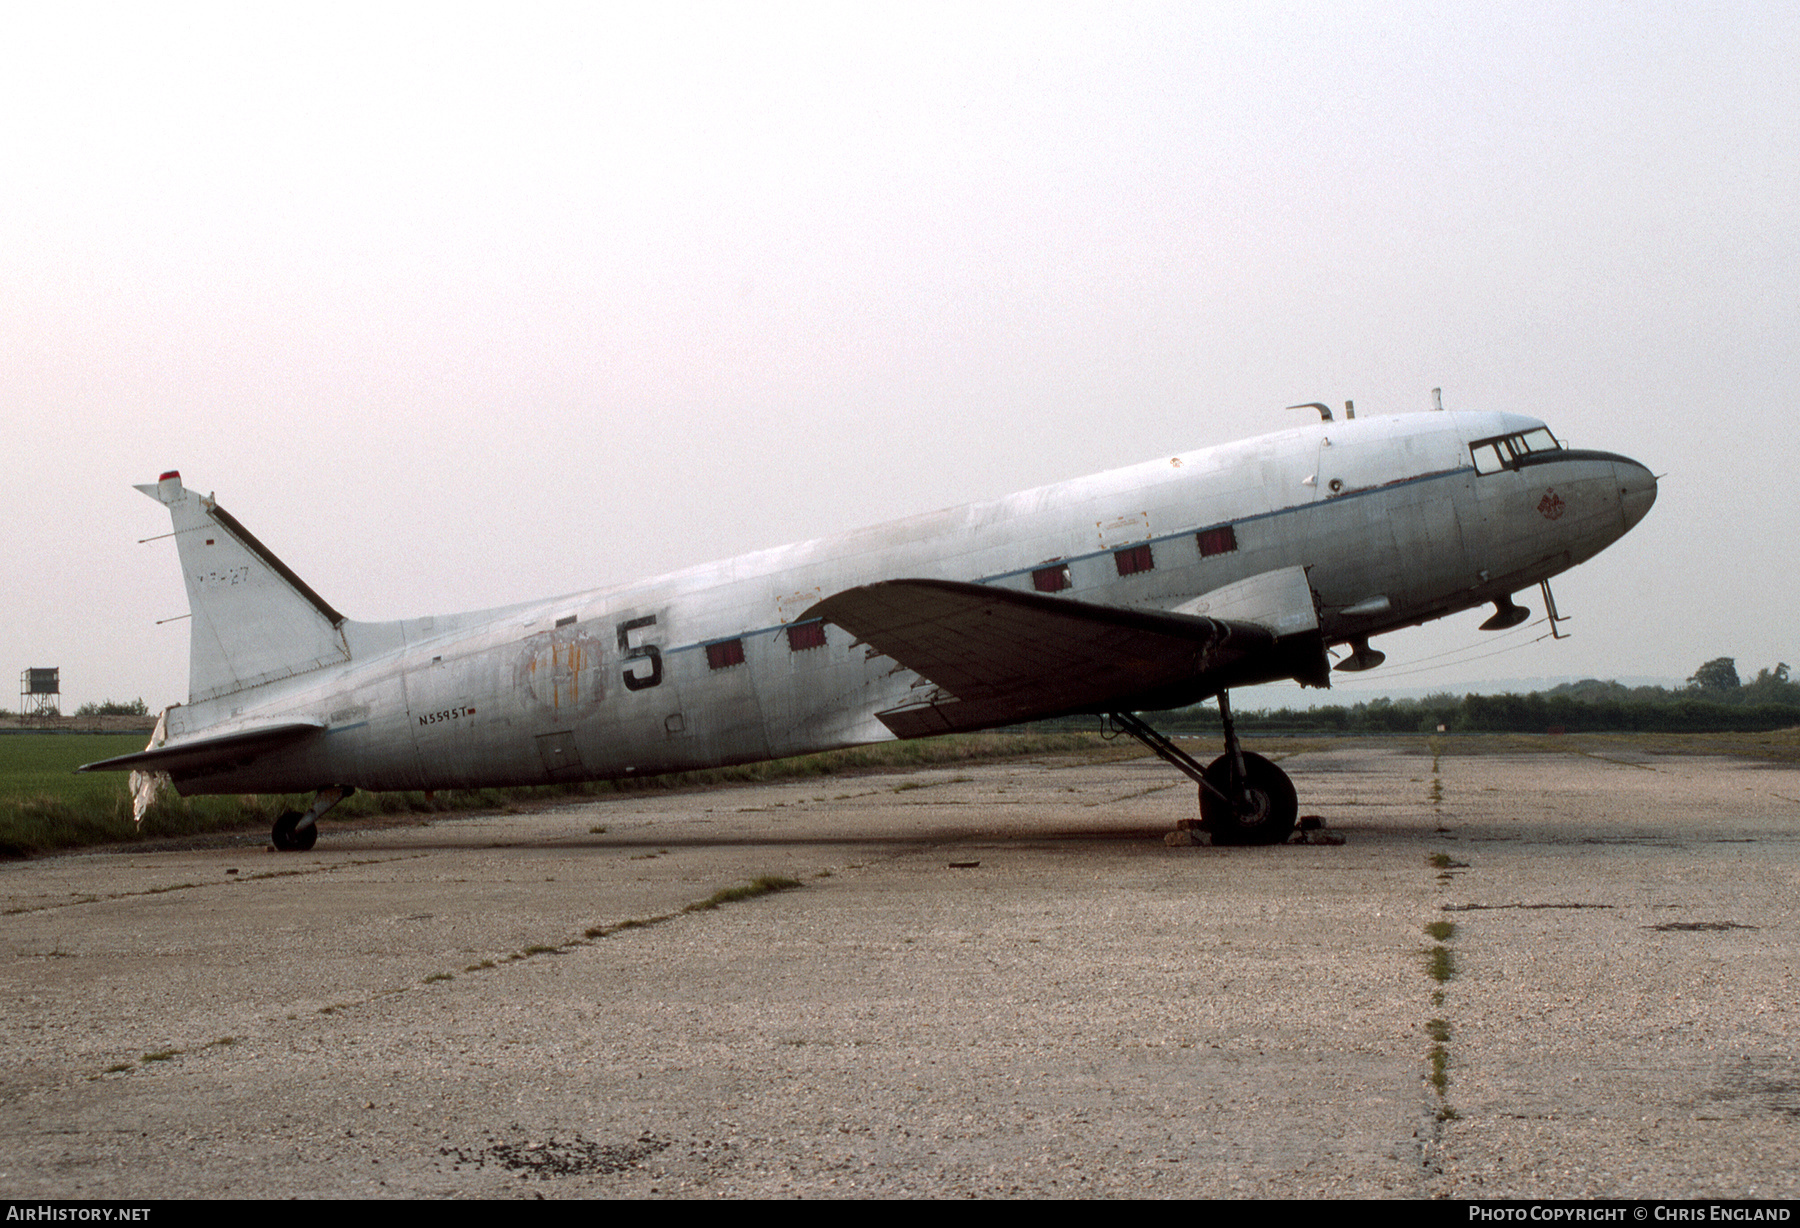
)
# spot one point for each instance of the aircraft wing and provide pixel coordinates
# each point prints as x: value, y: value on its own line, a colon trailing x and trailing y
x: 999, y: 656
x: 202, y: 754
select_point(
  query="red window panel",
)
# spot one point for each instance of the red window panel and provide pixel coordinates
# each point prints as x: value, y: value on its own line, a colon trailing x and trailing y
x: 1134, y: 560
x: 1221, y: 540
x: 802, y: 636
x: 725, y: 654
x: 1051, y: 579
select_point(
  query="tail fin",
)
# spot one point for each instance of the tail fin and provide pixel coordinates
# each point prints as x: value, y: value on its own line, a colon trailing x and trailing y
x: 254, y: 620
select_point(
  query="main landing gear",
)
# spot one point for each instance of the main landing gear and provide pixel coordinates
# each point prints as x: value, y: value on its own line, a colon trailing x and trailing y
x: 1244, y: 799
x: 296, y: 832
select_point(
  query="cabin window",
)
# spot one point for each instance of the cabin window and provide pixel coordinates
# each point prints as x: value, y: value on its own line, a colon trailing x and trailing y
x: 1051, y: 579
x: 1133, y: 560
x: 802, y: 636
x: 1220, y: 540
x: 725, y: 654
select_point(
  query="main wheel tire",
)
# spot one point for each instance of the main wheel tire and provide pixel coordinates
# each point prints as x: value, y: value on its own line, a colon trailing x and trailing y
x: 1273, y: 805
x: 288, y: 839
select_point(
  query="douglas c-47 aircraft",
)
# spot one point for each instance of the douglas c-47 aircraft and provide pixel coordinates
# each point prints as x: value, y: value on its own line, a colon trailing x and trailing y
x: 1145, y: 588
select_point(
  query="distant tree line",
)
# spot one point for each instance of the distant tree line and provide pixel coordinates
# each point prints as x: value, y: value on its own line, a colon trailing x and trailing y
x: 1714, y: 700
x: 113, y: 707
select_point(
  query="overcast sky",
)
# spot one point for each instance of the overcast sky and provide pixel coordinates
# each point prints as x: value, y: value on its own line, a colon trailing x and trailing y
x: 455, y: 306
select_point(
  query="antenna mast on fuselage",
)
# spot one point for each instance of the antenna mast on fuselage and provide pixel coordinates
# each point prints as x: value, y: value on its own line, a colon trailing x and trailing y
x: 1325, y: 410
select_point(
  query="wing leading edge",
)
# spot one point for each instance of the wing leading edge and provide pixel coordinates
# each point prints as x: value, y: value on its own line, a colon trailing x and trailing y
x: 999, y: 656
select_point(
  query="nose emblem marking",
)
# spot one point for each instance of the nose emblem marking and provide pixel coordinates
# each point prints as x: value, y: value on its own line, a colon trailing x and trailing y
x: 1550, y: 507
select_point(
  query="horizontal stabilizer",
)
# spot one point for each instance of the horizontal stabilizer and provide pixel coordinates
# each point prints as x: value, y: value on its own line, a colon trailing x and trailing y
x: 204, y: 754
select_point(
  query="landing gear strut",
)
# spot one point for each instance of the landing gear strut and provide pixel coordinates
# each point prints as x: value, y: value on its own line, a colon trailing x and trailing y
x: 1244, y: 799
x: 296, y: 832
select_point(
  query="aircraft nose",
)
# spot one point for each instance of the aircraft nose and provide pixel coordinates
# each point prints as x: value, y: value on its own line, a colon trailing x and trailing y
x: 1637, y: 490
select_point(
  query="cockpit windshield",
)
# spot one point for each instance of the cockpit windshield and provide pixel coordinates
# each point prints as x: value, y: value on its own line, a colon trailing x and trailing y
x: 1504, y: 451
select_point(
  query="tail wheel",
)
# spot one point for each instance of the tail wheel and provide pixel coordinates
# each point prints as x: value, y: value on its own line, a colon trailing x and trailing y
x: 1263, y: 807
x: 288, y: 838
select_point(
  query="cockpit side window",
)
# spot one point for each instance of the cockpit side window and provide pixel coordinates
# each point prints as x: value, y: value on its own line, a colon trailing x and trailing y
x: 1491, y: 456
x: 1504, y: 451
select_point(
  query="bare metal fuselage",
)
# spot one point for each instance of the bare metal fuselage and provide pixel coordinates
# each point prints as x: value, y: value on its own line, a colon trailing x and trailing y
x: 1389, y: 517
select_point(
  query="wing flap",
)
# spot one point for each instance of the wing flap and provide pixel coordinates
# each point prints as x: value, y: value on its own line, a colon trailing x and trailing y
x: 1281, y: 600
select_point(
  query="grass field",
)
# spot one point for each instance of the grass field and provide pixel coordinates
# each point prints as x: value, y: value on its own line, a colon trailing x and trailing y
x: 43, y: 765
x: 45, y: 804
